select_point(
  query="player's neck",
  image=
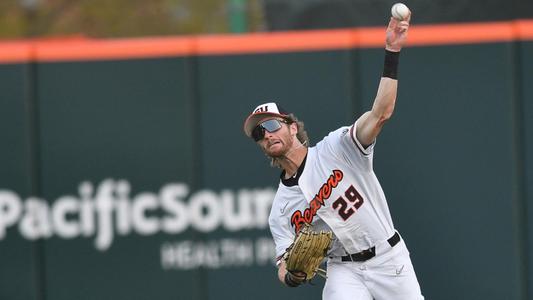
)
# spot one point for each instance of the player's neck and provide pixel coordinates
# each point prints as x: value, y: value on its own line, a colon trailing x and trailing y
x: 293, y: 160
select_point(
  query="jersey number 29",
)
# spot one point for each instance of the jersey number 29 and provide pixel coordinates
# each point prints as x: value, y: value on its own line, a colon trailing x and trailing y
x: 347, y: 207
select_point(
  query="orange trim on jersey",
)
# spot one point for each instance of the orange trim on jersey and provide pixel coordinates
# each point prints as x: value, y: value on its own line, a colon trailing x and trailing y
x: 271, y: 42
x: 299, y: 218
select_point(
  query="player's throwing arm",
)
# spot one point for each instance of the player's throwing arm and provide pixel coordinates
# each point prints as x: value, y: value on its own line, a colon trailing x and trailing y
x: 329, y: 203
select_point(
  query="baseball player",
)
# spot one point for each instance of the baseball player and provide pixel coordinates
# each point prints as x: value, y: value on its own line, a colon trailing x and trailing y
x: 332, y: 185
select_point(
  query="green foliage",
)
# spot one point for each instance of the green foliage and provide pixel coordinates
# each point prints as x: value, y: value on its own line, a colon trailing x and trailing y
x: 121, y: 18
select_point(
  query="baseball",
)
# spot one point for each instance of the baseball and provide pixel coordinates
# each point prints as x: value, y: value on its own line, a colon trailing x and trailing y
x: 399, y: 11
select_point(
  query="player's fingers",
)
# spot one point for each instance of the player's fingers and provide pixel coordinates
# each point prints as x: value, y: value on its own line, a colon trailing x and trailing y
x: 298, y: 275
x: 392, y: 23
x: 399, y: 29
x: 403, y: 23
x: 403, y: 28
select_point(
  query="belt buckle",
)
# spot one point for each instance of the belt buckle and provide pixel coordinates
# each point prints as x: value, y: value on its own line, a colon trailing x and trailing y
x: 363, y: 255
x: 368, y: 253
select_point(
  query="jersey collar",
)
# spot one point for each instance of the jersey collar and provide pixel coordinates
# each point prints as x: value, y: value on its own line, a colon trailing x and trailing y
x: 292, y: 181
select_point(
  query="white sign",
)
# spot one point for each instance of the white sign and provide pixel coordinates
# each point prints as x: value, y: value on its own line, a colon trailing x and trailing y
x: 109, y: 210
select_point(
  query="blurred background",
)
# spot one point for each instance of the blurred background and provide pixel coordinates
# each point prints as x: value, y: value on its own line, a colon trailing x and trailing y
x: 130, y: 18
x: 127, y: 176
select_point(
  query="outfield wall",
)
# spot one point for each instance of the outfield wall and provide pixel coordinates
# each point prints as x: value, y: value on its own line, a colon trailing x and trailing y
x: 126, y: 175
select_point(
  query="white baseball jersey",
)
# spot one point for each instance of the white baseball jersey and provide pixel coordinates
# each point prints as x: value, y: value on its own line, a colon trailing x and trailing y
x: 335, y: 189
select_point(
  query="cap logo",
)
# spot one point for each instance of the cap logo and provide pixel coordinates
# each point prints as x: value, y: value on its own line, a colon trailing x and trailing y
x: 270, y: 108
x: 261, y: 109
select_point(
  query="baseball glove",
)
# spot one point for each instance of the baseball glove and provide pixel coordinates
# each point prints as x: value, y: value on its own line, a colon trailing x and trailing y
x: 303, y: 257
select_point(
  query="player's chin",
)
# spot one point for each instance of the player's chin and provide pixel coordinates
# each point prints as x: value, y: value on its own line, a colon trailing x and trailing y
x: 275, y: 151
x: 272, y: 149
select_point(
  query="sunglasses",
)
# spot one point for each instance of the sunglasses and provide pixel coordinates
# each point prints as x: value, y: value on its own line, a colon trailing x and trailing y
x: 271, y: 125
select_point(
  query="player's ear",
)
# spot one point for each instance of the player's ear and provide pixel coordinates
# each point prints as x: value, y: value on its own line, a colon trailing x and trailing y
x: 293, y: 127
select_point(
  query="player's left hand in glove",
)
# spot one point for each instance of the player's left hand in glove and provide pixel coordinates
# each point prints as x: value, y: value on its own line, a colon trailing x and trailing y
x: 304, y: 256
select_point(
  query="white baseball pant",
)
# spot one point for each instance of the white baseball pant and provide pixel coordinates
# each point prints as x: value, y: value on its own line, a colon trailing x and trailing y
x: 387, y: 276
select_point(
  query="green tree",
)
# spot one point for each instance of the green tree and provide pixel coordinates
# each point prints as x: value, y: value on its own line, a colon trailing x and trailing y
x: 122, y: 18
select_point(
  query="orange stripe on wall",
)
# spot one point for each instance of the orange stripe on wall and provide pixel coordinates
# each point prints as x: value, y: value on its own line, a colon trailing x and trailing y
x: 291, y: 41
x: 15, y: 52
x: 276, y: 42
x: 524, y: 29
x: 462, y: 33
x: 113, y: 49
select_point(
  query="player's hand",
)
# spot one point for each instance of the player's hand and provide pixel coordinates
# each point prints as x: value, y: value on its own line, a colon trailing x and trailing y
x: 397, y: 34
x: 295, y: 278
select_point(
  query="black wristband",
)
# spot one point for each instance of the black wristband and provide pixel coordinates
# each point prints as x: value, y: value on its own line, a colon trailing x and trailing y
x: 390, y: 67
x: 290, y: 281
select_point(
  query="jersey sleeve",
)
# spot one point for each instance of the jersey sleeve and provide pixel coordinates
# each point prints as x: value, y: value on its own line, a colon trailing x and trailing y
x: 344, y: 145
x: 280, y: 229
x: 368, y: 151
